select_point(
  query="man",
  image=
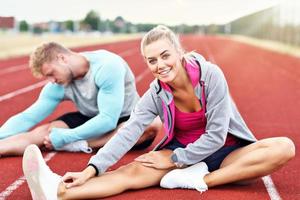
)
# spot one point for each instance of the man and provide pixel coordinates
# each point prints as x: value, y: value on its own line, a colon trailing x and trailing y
x: 99, y: 83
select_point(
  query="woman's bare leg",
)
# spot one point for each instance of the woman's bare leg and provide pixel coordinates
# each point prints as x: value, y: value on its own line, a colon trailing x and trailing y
x: 15, y: 145
x: 131, y: 176
x: 255, y: 160
x: 149, y: 133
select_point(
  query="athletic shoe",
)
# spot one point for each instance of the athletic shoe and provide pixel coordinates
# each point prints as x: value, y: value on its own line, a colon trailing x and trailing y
x: 42, y: 182
x: 77, y: 146
x: 188, y: 178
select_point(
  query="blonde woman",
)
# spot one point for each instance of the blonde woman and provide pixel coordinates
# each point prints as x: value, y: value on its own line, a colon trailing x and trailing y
x: 207, y: 143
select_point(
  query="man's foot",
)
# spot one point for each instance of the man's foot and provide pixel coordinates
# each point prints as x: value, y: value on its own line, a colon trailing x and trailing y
x: 42, y: 182
x: 77, y: 146
x: 189, y: 178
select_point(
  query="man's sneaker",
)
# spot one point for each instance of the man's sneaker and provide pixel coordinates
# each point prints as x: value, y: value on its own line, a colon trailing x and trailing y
x: 77, y: 146
x: 42, y: 182
x: 189, y: 178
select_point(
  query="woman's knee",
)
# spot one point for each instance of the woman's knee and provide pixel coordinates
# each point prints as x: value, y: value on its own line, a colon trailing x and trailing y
x: 138, y: 176
x: 285, y: 149
x: 288, y: 147
x: 131, y: 170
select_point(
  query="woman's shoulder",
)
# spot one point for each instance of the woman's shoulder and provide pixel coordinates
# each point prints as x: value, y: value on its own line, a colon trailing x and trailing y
x: 208, y: 68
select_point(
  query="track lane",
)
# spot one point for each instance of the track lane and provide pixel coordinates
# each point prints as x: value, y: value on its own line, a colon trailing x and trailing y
x: 265, y: 114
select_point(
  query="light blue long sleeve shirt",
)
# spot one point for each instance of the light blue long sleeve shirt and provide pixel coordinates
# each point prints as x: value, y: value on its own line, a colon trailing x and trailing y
x: 106, y: 93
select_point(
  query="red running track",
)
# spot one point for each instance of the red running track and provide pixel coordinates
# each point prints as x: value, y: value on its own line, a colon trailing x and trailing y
x: 264, y: 85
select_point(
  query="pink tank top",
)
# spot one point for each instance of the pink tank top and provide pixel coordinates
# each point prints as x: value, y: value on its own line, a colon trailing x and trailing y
x: 188, y: 127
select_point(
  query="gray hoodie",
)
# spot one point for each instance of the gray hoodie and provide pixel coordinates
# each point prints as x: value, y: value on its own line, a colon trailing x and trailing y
x: 222, y: 118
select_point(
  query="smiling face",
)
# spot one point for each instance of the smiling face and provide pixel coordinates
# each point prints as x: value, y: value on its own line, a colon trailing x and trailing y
x: 163, y: 59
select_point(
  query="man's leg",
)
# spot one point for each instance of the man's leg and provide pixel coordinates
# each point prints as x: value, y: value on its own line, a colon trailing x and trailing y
x: 15, y: 145
x: 149, y: 134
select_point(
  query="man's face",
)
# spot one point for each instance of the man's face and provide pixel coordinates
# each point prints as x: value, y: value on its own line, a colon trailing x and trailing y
x: 57, y: 71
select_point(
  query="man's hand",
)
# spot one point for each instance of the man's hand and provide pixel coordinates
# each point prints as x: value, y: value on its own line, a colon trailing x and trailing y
x: 47, y: 142
x: 157, y: 159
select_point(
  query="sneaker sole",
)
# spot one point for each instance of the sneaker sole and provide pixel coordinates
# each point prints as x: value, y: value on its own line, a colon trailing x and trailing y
x: 31, y: 167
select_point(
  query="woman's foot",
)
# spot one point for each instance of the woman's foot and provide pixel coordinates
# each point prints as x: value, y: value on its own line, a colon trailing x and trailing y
x: 42, y: 182
x: 189, y: 178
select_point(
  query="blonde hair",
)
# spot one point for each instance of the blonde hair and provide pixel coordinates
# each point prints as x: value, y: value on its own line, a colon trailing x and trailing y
x: 44, y: 53
x: 161, y: 32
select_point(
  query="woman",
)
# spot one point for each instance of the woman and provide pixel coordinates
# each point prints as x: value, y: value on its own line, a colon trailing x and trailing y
x: 207, y: 142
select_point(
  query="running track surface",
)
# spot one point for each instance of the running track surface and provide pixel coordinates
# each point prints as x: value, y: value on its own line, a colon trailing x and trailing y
x: 265, y: 86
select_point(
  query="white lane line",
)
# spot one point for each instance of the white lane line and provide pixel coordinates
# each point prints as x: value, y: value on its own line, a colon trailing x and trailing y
x: 22, y: 90
x: 15, y: 185
x: 14, y: 69
x: 128, y: 52
x: 142, y: 75
x: 273, y: 193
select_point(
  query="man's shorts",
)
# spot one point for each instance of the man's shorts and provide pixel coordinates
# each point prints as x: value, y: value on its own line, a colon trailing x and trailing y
x: 75, y: 119
x: 215, y: 160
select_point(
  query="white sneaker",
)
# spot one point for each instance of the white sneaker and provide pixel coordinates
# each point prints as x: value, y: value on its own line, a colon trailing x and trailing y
x: 77, y: 146
x: 189, y: 178
x: 42, y: 182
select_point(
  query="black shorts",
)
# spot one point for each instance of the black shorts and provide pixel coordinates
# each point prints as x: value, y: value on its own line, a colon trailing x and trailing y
x: 215, y: 160
x: 75, y: 119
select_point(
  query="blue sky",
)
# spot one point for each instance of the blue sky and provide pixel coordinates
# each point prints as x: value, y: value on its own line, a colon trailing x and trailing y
x: 170, y: 12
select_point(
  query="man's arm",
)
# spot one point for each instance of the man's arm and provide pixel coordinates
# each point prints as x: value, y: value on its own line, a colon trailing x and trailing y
x: 49, y: 98
x: 110, y: 79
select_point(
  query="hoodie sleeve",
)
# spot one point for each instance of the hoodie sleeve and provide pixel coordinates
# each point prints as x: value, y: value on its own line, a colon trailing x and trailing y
x: 143, y: 114
x: 218, y: 117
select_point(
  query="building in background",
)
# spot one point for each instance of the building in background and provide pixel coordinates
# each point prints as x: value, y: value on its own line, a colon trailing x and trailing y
x: 7, y: 23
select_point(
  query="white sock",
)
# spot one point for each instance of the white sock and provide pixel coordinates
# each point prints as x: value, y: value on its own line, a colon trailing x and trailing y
x: 80, y: 145
x: 190, y: 178
x: 42, y: 182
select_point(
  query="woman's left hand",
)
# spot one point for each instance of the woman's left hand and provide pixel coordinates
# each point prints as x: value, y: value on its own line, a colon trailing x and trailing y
x: 157, y: 159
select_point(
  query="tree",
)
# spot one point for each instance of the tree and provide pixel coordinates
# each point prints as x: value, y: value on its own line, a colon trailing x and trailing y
x: 119, y: 25
x: 69, y: 25
x: 92, y: 19
x: 23, y: 26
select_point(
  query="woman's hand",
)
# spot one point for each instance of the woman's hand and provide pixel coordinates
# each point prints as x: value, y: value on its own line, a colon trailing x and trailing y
x: 157, y: 159
x: 78, y: 178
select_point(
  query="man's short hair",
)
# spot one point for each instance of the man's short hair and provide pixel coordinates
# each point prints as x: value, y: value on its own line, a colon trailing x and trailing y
x: 44, y: 53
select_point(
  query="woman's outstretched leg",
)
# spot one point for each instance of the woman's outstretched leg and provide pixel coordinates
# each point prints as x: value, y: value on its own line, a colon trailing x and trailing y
x: 131, y: 176
x: 44, y: 184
